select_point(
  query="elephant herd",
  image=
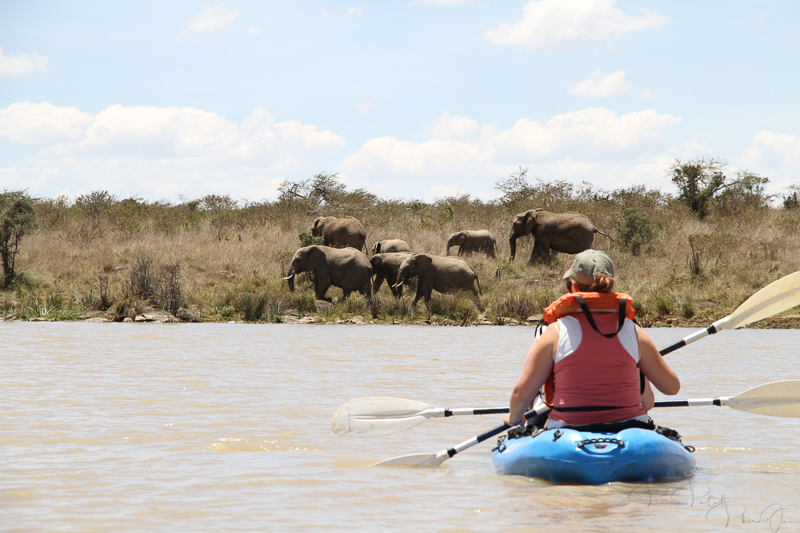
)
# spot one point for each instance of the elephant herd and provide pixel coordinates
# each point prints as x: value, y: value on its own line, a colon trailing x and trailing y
x: 339, y: 262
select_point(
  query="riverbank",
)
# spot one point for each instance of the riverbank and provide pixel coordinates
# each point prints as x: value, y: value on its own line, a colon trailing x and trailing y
x: 791, y: 321
x: 220, y: 260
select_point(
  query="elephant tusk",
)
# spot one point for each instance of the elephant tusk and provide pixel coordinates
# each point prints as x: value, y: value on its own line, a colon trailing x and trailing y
x: 288, y: 277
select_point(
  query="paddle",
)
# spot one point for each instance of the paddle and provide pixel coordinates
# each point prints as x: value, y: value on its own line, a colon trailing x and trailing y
x: 357, y: 418
x: 433, y: 460
x: 776, y: 297
x: 779, y: 398
x: 377, y: 416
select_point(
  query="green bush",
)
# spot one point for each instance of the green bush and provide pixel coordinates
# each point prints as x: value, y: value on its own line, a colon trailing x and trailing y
x: 17, y: 218
x: 634, y: 229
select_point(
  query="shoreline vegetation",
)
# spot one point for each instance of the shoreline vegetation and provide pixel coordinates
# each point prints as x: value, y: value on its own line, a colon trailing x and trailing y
x: 686, y: 259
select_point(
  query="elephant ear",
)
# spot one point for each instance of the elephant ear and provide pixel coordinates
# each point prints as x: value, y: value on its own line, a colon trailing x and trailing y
x: 376, y: 261
x: 530, y: 220
x: 315, y: 257
x: 424, y: 262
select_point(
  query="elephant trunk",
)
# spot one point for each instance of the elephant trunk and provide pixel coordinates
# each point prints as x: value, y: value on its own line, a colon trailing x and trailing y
x: 290, y: 280
x: 512, y: 242
x: 401, y: 278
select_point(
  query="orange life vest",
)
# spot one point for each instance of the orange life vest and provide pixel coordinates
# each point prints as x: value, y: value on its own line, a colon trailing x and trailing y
x: 597, y: 301
x: 568, y: 305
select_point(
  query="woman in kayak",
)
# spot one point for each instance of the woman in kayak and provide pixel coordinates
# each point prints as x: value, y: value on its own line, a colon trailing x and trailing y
x: 589, y: 357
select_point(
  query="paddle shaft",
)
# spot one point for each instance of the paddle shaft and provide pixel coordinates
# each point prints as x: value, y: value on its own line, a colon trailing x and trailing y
x: 485, y: 435
x: 485, y: 411
x: 710, y: 330
x: 667, y: 403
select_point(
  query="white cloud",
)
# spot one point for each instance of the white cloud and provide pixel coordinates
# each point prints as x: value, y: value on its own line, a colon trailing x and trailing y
x: 150, y: 132
x: 20, y: 64
x: 352, y: 11
x: 211, y: 20
x: 42, y: 124
x: 366, y: 107
x: 770, y: 149
x: 579, y: 145
x: 601, y: 85
x: 157, y: 152
x: 254, y: 30
x: 447, y: 126
x: 552, y: 24
x: 596, y: 130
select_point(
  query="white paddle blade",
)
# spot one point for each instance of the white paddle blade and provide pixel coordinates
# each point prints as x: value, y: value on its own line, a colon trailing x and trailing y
x: 417, y: 460
x: 776, y: 297
x: 779, y: 398
x: 378, y: 416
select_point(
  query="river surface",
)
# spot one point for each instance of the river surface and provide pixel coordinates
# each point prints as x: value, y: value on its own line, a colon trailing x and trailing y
x: 226, y: 427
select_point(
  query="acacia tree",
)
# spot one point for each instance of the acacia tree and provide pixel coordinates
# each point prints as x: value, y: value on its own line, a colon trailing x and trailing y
x: 698, y: 180
x: 16, y: 219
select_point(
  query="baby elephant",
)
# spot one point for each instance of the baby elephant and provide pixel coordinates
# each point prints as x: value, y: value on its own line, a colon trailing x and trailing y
x: 386, y: 266
x: 346, y: 268
x: 390, y: 245
x: 473, y: 241
x: 442, y: 274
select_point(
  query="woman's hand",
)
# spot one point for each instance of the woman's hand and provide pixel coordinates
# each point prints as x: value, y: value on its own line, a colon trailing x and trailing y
x: 507, y: 422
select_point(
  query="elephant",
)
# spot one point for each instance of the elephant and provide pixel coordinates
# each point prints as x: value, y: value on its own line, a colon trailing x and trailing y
x: 340, y: 232
x: 386, y: 266
x: 345, y: 268
x: 442, y: 274
x: 389, y: 246
x: 569, y: 233
x: 473, y: 241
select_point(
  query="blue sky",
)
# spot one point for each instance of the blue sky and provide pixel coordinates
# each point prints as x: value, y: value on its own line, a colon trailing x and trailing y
x: 415, y: 99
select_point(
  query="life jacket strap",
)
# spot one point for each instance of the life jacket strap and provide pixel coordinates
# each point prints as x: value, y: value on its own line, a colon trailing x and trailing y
x: 585, y: 308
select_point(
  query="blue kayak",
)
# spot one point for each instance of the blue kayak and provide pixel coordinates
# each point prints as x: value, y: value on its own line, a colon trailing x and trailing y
x: 568, y: 455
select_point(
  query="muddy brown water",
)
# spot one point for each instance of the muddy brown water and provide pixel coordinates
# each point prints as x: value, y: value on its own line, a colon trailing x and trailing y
x: 226, y: 427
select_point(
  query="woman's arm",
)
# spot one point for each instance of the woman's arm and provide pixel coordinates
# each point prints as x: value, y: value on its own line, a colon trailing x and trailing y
x: 648, y: 398
x: 538, y: 366
x: 654, y: 367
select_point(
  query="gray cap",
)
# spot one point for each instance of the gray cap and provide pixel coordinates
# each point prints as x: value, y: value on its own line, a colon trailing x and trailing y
x: 589, y: 263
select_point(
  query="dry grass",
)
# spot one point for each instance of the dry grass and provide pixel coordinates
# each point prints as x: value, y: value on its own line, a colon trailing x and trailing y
x: 232, y: 257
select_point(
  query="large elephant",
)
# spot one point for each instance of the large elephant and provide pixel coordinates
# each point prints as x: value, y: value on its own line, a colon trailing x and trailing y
x: 442, y: 274
x: 389, y: 246
x: 340, y: 232
x: 569, y: 233
x: 386, y: 266
x: 469, y: 241
x: 346, y: 268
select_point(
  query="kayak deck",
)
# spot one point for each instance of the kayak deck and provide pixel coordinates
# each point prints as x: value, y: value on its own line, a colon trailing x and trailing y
x: 568, y: 455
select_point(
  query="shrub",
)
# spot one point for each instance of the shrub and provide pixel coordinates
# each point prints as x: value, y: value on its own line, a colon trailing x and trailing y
x: 17, y: 218
x: 169, y: 293
x: 140, y: 281
x: 663, y: 306
x: 634, y: 229
x: 252, y: 306
x: 792, y: 200
x: 746, y: 192
x: 698, y: 181
x: 306, y: 239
